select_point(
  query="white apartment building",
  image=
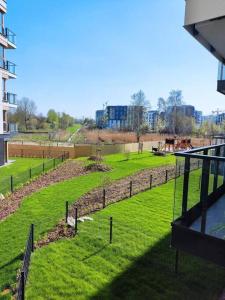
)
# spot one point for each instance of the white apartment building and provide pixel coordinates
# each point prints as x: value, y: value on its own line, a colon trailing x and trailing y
x: 7, y: 71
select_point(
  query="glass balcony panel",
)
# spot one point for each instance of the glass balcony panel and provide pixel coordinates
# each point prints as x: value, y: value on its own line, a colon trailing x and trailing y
x: 10, y: 35
x: 179, y: 182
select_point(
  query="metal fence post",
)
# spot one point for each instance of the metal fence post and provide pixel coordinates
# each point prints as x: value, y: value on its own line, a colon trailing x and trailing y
x: 131, y: 188
x: 32, y: 237
x: 67, y: 211
x: 76, y: 221
x: 103, y: 197
x: 54, y: 163
x: 176, y: 261
x: 30, y: 173
x: 11, y: 184
x: 166, y: 175
x: 110, y: 230
x: 151, y: 177
x: 43, y: 167
x: 22, y: 285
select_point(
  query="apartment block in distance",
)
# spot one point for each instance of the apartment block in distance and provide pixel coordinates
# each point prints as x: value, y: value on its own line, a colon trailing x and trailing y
x: 120, y: 117
x: 7, y: 72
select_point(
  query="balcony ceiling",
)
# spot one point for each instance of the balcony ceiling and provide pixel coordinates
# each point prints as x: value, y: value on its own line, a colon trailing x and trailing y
x: 211, y: 34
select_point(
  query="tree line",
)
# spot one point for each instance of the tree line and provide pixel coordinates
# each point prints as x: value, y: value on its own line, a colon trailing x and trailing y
x: 27, y: 117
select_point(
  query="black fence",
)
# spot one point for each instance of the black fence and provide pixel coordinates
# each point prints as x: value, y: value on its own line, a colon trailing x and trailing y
x: 9, y: 183
x: 26, y: 263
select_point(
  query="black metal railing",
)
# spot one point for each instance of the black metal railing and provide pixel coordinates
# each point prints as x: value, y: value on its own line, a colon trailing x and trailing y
x: 9, y: 66
x: 10, y: 98
x: 200, y: 191
x: 26, y: 263
x: 10, y: 35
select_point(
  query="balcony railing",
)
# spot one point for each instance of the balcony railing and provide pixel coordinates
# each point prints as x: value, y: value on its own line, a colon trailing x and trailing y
x: 10, y: 98
x: 10, y: 35
x: 199, y: 225
x: 8, y: 66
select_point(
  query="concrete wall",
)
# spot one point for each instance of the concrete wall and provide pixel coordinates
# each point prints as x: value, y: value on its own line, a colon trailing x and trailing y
x: 202, y: 10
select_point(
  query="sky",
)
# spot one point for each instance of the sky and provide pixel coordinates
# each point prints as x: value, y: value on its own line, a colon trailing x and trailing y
x: 75, y: 55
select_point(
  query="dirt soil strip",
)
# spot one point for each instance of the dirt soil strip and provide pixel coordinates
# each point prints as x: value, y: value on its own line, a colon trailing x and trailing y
x: 120, y: 189
x: 65, y: 171
x: 116, y: 191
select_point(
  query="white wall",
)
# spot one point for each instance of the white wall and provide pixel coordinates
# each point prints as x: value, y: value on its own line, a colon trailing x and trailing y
x: 202, y: 10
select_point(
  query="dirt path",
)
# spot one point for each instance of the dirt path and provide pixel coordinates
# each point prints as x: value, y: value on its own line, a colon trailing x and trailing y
x: 65, y: 171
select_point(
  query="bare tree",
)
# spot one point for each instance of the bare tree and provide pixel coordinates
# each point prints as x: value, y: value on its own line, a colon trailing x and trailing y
x: 26, y: 109
x: 174, y: 100
x: 139, y: 105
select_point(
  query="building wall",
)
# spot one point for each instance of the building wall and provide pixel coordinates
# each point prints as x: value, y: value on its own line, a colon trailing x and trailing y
x: 152, y: 118
x: 1, y: 106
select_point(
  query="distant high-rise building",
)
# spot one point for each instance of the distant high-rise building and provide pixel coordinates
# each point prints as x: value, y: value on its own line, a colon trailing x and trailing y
x: 198, y: 117
x: 120, y: 117
x: 152, y: 117
x: 100, y: 118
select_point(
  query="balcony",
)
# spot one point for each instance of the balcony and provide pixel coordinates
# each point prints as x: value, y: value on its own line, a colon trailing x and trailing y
x: 9, y: 67
x: 205, y: 20
x: 10, y: 98
x: 199, y: 205
x: 3, y: 6
x: 221, y: 79
x: 11, y: 37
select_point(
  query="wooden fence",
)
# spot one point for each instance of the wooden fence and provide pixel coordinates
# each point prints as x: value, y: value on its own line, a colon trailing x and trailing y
x: 18, y: 150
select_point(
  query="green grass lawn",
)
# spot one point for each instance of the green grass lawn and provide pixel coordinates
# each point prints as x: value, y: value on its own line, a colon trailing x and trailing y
x: 21, y: 169
x: 47, y: 206
x: 19, y: 165
x: 138, y: 265
x: 73, y: 128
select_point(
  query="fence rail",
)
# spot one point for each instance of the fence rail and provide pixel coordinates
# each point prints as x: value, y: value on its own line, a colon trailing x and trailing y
x: 9, y: 183
x: 26, y: 263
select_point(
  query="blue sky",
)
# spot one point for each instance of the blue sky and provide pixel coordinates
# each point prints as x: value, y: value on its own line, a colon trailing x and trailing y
x: 74, y: 55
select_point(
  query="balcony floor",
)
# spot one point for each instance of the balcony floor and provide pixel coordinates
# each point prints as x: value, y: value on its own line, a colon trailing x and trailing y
x: 215, y: 222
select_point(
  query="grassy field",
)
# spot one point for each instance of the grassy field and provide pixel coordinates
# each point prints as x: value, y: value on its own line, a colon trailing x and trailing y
x: 22, y: 171
x: 73, y: 128
x: 47, y: 206
x: 19, y: 165
x: 139, y: 264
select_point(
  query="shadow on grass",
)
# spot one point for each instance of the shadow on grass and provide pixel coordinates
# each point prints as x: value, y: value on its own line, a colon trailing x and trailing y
x: 152, y: 276
x: 12, y: 261
x: 95, y: 253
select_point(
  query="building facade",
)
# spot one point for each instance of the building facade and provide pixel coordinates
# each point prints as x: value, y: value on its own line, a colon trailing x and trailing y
x: 7, y: 72
x: 152, y: 117
x: 198, y: 117
x: 120, y: 117
x: 100, y: 118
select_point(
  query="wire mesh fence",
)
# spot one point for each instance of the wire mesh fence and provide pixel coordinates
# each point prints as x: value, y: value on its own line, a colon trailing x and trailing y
x: 10, y: 183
